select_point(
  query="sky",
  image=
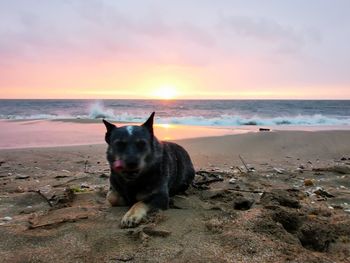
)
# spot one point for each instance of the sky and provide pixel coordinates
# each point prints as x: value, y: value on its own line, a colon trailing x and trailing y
x: 184, y: 49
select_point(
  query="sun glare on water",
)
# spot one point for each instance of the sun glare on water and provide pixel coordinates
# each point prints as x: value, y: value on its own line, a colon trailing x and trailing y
x: 166, y: 92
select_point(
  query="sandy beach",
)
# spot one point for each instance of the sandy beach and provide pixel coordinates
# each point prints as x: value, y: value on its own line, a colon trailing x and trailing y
x: 258, y: 95
x: 281, y: 196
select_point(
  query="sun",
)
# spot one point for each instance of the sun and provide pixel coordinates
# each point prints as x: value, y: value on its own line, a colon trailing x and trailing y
x: 166, y: 92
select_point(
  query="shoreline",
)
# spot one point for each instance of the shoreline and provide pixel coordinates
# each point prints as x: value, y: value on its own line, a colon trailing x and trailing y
x: 44, y: 133
x: 257, y: 147
x: 21, y: 134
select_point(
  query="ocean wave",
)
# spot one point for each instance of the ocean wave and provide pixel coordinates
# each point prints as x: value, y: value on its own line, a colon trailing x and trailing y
x: 35, y: 117
x: 98, y: 111
x: 227, y: 120
x: 231, y: 120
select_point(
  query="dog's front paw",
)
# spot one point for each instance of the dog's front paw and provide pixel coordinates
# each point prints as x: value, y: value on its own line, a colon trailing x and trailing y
x: 135, y: 215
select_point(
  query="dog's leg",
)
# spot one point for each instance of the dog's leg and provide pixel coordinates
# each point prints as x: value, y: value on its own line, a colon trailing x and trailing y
x: 135, y: 215
x: 115, y: 199
x: 139, y: 210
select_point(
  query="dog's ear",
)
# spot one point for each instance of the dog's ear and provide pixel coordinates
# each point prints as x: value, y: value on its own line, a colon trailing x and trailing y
x: 149, y: 123
x: 110, y: 127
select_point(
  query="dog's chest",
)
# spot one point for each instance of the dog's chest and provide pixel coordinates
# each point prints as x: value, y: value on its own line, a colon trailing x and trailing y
x: 144, y: 193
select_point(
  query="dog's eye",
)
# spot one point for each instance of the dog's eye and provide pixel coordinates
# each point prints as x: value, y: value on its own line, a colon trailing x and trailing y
x: 141, y: 145
x: 120, y: 144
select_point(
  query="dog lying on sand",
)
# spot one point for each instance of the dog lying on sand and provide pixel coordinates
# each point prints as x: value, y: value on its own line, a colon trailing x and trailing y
x: 145, y: 172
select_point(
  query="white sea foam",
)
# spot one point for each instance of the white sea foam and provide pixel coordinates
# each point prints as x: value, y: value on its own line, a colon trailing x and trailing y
x: 35, y: 117
x: 98, y: 111
x: 227, y: 120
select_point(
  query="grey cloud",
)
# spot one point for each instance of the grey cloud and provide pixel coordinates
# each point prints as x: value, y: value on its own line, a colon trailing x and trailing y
x: 108, y: 18
x: 284, y: 38
x: 93, y: 28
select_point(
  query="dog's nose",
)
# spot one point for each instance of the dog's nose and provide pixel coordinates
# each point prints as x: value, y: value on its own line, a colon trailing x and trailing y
x: 132, y: 164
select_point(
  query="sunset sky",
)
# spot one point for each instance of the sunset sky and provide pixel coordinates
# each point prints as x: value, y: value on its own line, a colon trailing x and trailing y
x: 182, y: 49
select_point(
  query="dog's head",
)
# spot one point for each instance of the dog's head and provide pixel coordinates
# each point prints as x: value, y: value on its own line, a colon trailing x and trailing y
x: 130, y: 148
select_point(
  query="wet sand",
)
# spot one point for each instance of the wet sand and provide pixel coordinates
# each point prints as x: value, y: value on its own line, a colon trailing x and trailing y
x: 259, y: 197
x: 44, y: 133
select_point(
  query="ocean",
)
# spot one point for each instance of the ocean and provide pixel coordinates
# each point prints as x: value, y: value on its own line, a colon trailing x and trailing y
x: 217, y: 113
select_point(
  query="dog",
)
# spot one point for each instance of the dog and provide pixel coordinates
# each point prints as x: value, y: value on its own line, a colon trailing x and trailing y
x: 145, y: 172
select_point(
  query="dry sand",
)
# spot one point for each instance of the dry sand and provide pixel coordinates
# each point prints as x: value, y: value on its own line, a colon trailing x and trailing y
x: 292, y: 206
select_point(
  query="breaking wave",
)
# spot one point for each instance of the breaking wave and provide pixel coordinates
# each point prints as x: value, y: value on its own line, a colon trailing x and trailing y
x: 97, y: 110
x: 225, y: 120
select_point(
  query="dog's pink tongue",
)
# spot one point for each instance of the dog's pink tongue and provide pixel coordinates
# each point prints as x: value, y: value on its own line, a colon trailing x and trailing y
x: 118, y: 165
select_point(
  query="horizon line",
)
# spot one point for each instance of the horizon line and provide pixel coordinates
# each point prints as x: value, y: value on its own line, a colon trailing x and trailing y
x: 179, y: 99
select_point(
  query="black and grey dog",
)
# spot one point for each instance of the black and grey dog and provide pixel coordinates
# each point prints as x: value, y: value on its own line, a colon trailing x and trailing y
x: 144, y: 171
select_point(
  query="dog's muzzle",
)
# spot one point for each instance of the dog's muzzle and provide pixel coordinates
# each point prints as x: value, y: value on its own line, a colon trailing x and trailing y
x: 131, y: 165
x: 129, y: 168
x: 118, y: 166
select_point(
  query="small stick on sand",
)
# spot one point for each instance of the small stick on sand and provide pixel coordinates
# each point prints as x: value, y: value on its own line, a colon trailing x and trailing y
x: 208, y: 181
x: 247, y: 191
x: 42, y: 195
x: 69, y: 181
x: 85, y: 166
x: 245, y: 165
x: 208, y: 178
